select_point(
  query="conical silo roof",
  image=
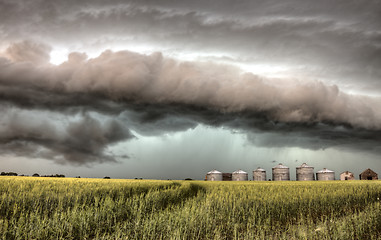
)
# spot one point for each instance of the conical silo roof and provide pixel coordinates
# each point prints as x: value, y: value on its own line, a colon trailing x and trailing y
x: 324, y: 170
x: 259, y: 170
x: 304, y: 165
x: 214, y: 171
x: 280, y: 165
x: 239, y: 172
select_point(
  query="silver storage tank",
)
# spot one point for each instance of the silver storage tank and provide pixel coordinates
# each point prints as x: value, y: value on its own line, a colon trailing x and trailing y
x: 214, y: 175
x: 281, y: 173
x: 239, y: 175
x: 305, y: 173
x: 325, y: 174
x: 259, y: 174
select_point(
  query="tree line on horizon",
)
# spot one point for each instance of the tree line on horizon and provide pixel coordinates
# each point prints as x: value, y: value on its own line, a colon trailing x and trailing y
x: 34, y: 175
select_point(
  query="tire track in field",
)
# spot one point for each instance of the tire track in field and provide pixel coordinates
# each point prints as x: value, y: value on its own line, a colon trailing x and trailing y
x: 163, y: 199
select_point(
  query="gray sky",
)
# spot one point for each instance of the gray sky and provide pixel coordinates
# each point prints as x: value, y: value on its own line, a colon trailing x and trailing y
x: 172, y: 89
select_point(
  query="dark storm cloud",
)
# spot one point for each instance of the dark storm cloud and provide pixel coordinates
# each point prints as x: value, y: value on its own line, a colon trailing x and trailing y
x: 81, y: 141
x: 124, y: 76
x: 258, y: 128
x: 153, y: 95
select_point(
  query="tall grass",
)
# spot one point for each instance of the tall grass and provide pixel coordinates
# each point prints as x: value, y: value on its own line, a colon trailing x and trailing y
x: 49, y: 208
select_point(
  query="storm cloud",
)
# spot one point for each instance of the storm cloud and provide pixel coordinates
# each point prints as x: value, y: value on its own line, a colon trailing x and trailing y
x: 125, y: 77
x: 37, y: 134
x: 153, y: 94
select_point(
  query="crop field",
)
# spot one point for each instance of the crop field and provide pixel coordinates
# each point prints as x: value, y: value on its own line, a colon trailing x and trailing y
x: 55, y: 208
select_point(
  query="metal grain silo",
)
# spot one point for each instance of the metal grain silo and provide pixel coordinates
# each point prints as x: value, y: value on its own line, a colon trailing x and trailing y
x: 325, y: 174
x: 305, y: 173
x: 239, y: 175
x: 259, y: 174
x: 214, y: 175
x: 281, y: 173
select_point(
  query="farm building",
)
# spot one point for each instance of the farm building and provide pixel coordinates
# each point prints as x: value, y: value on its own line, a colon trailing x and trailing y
x: 259, y: 174
x: 347, y: 175
x: 226, y: 176
x: 281, y: 173
x: 368, y: 174
x: 305, y: 173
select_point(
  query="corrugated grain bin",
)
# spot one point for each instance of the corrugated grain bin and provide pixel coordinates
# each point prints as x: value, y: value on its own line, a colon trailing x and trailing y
x: 214, y: 175
x: 239, y: 175
x: 259, y: 174
x: 281, y: 173
x: 305, y: 173
x: 325, y: 174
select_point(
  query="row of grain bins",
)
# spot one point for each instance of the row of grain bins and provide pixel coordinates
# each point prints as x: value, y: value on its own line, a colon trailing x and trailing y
x: 238, y: 175
x: 282, y: 173
x: 303, y: 173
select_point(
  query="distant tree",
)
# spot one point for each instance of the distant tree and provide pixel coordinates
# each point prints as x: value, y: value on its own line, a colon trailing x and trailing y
x: 188, y: 179
x: 8, y: 174
x: 106, y: 177
x: 52, y: 175
x: 36, y: 175
x: 78, y: 177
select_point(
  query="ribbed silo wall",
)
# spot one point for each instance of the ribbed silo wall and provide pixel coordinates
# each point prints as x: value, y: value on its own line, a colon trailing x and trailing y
x: 214, y: 177
x: 325, y: 176
x: 305, y: 174
x: 239, y: 177
x: 281, y: 174
x: 259, y: 175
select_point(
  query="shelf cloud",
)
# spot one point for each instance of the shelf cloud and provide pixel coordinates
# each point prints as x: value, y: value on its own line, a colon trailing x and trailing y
x: 165, y: 94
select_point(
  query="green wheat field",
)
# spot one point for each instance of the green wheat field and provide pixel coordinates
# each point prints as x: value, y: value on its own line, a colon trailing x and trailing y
x: 56, y: 208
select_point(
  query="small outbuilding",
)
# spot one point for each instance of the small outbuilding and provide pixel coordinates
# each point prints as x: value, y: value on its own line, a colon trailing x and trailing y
x: 368, y: 174
x: 226, y: 176
x: 347, y: 175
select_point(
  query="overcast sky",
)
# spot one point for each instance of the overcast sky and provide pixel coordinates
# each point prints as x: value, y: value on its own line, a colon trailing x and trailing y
x: 171, y: 89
